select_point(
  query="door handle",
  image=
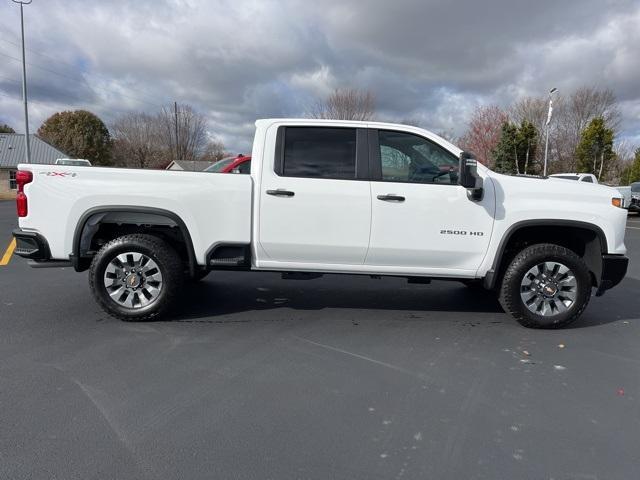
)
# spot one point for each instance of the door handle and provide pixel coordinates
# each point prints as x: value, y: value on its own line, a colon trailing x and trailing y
x: 391, y: 198
x: 281, y: 193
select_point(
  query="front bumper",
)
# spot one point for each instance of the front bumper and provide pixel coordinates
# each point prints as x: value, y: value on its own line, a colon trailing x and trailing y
x: 614, y: 268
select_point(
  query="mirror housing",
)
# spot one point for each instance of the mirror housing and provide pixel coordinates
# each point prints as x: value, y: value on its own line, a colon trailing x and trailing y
x: 468, y: 176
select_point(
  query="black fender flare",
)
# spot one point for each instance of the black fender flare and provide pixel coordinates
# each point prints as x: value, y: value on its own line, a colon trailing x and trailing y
x: 79, y: 261
x: 491, y: 276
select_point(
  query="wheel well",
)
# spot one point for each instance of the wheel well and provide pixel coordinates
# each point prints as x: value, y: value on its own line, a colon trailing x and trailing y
x: 587, y: 243
x: 99, y: 227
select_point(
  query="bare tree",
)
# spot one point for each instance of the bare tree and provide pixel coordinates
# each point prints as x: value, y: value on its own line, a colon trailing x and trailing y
x: 572, y: 115
x: 483, y: 133
x: 188, y: 140
x: 346, y: 104
x: 137, y: 141
x: 214, y: 151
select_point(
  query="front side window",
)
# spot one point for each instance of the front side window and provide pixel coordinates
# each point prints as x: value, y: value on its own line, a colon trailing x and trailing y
x: 410, y: 158
x: 587, y: 179
x: 320, y: 152
x: 12, y: 180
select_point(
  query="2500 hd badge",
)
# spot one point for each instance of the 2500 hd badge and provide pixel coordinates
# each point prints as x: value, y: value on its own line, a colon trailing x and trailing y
x: 461, y: 232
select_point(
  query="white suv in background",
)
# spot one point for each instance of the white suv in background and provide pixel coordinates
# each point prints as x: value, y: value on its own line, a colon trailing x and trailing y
x: 580, y: 177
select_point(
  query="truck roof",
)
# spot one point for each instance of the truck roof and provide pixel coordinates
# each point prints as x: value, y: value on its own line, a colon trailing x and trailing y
x: 265, y: 122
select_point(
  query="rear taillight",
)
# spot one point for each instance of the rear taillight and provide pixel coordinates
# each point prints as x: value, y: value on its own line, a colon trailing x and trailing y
x: 22, y: 178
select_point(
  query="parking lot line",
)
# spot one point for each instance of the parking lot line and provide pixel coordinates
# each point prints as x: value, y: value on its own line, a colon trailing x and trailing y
x: 7, y: 254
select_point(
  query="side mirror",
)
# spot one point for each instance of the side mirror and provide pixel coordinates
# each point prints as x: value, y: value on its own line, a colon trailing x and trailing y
x: 468, y: 176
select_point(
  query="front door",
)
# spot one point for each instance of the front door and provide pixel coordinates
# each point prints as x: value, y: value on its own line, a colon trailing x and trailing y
x: 421, y: 217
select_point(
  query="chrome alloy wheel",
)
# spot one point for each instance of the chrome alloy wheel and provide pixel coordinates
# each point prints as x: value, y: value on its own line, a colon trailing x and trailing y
x: 548, y: 289
x: 133, y: 280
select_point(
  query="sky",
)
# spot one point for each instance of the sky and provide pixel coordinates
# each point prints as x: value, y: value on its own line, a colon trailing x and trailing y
x: 428, y: 61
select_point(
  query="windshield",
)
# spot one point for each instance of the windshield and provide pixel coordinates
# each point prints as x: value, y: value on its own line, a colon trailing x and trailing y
x: 566, y: 177
x: 220, y: 165
x: 635, y: 187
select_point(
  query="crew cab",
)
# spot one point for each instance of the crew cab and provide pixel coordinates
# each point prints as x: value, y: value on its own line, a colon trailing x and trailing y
x: 328, y: 196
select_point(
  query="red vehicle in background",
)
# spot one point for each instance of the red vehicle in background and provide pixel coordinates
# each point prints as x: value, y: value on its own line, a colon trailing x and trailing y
x: 239, y: 164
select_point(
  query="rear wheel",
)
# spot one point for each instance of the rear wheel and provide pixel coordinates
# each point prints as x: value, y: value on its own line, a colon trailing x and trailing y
x: 546, y: 286
x: 136, y: 277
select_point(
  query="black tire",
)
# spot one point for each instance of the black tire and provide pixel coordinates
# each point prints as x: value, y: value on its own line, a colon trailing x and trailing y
x: 510, y: 290
x: 165, y: 257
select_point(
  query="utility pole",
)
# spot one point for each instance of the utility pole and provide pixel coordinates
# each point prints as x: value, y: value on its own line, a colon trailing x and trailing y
x: 175, y: 122
x: 546, y: 142
x: 27, y: 145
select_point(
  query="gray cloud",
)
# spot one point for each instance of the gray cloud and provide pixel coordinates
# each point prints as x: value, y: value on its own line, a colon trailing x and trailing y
x: 431, y: 61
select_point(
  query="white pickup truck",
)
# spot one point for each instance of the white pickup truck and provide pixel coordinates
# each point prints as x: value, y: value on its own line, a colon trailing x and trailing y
x: 328, y: 196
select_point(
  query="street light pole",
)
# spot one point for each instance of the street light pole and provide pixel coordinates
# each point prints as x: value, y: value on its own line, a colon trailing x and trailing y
x: 546, y: 142
x: 27, y: 146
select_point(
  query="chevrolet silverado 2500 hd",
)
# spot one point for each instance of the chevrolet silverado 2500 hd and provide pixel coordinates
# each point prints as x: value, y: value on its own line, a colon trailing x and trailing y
x: 327, y: 196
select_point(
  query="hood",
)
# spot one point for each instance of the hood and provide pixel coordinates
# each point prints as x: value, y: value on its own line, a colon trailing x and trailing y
x: 537, y: 188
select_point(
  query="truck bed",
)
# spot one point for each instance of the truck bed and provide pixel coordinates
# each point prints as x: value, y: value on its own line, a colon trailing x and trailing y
x: 214, y: 207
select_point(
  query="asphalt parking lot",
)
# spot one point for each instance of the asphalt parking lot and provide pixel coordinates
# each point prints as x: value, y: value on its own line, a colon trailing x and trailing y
x: 337, y: 378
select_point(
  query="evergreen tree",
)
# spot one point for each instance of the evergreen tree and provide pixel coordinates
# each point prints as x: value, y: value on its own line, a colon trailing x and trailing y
x: 595, y: 152
x: 516, y: 150
x: 632, y: 172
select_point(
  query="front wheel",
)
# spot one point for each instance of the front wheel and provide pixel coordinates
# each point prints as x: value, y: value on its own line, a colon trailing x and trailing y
x: 545, y: 286
x: 136, y: 277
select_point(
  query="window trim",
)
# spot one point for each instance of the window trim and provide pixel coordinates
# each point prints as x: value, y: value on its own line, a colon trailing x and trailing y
x: 375, y: 159
x: 362, y: 166
x: 12, y: 173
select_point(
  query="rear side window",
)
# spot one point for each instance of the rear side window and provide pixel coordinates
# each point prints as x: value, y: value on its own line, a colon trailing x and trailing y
x: 320, y: 152
x: 587, y: 179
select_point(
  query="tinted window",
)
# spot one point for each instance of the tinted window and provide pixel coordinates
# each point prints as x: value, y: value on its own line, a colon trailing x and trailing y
x: 220, y: 165
x: 320, y: 152
x: 566, y: 177
x: 635, y: 187
x: 406, y: 157
x: 587, y: 179
x: 245, y: 167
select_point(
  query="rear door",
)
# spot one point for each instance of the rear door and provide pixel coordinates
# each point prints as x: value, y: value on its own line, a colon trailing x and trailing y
x: 421, y: 217
x: 315, y: 200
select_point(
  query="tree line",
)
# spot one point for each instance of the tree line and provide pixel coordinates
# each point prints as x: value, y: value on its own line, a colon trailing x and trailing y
x: 582, y: 134
x: 135, y: 139
x: 582, y: 137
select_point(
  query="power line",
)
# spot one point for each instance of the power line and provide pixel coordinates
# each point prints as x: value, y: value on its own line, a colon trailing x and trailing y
x: 83, y: 80
x: 57, y: 60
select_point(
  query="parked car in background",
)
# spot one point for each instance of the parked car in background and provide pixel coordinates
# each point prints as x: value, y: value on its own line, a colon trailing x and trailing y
x: 626, y: 196
x: 239, y: 164
x: 580, y: 177
x: 634, y: 205
x: 73, y: 162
